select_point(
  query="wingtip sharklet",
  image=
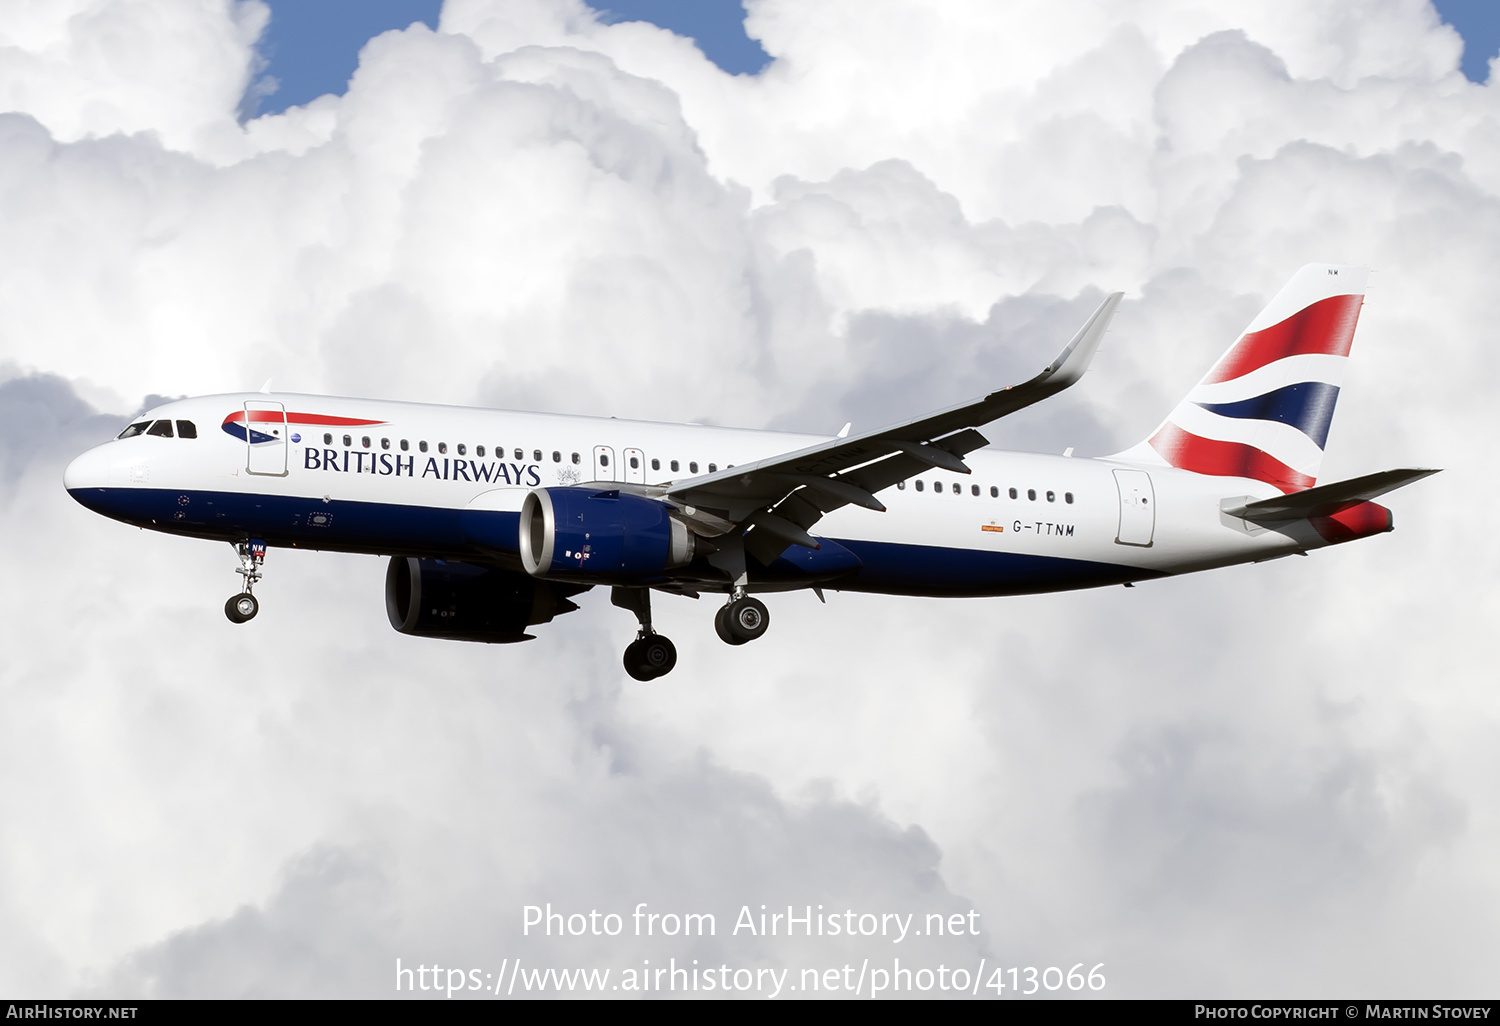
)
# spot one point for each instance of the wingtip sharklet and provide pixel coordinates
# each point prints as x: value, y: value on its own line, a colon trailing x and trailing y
x: 1079, y: 353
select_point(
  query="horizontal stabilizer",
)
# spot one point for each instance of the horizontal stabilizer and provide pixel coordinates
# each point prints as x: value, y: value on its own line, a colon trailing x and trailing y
x: 1326, y: 500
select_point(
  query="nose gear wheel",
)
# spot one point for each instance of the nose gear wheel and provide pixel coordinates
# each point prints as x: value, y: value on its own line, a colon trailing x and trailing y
x: 244, y: 606
x: 241, y: 607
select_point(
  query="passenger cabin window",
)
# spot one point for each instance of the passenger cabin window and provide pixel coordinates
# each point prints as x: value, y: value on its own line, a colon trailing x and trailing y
x: 958, y: 489
x: 994, y: 492
x: 404, y: 445
x: 713, y: 468
x: 365, y: 441
x: 187, y: 429
x: 603, y: 460
x: 1051, y: 496
x: 348, y: 441
x: 479, y: 451
x: 327, y: 438
x: 575, y: 457
x: 385, y: 443
x: 1013, y: 493
x: 556, y: 456
x: 1068, y: 498
x: 674, y: 466
x: 635, y: 464
x: 442, y: 447
x: 536, y: 456
x: 520, y: 454
x: 463, y: 450
x: 135, y: 429
x: 1031, y: 494
x: 901, y: 486
x: 692, y: 468
x: 656, y: 464
x: 421, y: 446
x: 162, y: 429
x: 974, y: 489
x: 919, y: 485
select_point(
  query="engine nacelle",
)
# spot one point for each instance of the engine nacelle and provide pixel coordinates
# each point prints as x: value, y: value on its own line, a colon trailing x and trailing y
x: 589, y: 534
x: 435, y: 598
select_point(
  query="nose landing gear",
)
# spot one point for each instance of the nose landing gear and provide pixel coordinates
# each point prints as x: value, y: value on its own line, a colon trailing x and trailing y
x: 650, y: 655
x: 244, y: 606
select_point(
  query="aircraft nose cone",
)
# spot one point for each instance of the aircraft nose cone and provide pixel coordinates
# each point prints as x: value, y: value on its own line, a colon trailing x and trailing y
x: 89, y: 472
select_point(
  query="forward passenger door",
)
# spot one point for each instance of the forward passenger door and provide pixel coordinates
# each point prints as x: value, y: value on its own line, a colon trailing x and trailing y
x: 265, y: 438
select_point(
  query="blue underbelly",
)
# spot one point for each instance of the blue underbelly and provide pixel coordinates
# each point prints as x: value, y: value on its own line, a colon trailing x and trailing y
x: 346, y: 526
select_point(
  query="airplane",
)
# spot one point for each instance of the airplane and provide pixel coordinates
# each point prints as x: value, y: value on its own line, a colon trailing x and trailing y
x: 494, y: 521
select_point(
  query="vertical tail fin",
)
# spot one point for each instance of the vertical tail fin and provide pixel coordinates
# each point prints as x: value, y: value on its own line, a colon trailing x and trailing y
x: 1264, y: 409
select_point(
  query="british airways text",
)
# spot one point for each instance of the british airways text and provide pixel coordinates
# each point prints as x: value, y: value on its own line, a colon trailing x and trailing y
x: 389, y: 464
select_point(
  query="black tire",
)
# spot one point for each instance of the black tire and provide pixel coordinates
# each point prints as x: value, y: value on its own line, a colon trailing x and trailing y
x: 721, y: 627
x: 241, y: 607
x: 658, y: 654
x: 650, y: 657
x: 634, y: 664
x: 747, y: 618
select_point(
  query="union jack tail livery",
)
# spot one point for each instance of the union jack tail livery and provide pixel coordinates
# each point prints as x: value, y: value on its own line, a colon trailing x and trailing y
x: 1264, y: 409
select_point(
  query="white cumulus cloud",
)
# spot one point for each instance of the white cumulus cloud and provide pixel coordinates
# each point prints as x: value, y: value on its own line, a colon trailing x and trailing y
x: 1268, y: 779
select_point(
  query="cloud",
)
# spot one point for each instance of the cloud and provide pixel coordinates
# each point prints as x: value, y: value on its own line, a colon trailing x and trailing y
x: 1261, y: 779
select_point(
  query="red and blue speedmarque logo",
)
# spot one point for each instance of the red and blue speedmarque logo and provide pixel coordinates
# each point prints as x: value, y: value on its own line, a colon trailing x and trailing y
x: 235, y: 424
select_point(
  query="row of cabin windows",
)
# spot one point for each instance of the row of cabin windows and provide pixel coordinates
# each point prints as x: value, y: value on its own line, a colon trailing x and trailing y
x: 161, y: 429
x: 187, y: 429
x: 674, y: 465
x: 462, y: 449
x: 958, y: 489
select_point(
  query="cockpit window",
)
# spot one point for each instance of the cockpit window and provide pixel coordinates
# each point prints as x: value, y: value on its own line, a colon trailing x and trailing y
x: 187, y: 429
x: 162, y: 428
x: 134, y: 429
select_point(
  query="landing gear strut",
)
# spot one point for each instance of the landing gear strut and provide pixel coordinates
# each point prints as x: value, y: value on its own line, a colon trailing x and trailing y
x: 244, y: 606
x: 650, y: 655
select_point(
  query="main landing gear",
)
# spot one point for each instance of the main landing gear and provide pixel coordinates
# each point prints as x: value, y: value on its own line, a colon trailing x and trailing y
x: 244, y: 606
x: 741, y: 619
x: 650, y: 655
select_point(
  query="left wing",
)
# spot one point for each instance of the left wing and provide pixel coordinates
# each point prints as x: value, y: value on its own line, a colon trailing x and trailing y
x: 781, y: 497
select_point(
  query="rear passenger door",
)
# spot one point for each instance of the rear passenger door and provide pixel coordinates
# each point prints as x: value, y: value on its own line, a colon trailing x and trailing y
x: 1137, y: 507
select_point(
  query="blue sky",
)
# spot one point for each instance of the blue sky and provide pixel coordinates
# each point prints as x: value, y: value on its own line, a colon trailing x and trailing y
x: 312, y: 45
x: 1478, y: 21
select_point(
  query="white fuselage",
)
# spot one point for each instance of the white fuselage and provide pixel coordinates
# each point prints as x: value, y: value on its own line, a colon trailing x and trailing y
x: 388, y: 477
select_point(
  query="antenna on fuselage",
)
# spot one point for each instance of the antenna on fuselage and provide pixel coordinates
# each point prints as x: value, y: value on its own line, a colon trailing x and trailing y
x: 266, y: 388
